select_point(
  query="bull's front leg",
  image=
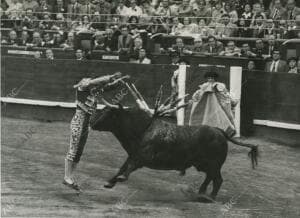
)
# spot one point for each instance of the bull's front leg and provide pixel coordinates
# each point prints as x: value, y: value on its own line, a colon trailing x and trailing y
x: 111, y: 183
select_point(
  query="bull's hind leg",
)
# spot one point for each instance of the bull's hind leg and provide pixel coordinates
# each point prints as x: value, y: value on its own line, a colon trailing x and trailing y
x: 204, y: 185
x: 217, y: 182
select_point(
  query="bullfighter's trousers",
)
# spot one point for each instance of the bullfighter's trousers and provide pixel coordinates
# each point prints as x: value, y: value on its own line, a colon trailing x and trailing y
x: 79, y: 133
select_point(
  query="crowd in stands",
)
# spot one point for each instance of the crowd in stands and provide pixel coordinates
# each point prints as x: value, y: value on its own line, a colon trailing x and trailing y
x: 125, y: 25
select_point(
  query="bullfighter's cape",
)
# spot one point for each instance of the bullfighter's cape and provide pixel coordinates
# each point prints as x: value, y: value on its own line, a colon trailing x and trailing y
x: 212, y: 106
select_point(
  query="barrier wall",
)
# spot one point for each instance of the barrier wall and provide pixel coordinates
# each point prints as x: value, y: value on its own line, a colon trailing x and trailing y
x: 266, y: 97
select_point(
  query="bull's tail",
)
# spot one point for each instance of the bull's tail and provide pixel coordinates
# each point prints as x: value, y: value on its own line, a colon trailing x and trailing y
x: 253, y: 153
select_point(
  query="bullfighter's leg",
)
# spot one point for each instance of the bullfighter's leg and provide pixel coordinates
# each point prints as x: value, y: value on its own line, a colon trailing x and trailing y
x: 111, y: 183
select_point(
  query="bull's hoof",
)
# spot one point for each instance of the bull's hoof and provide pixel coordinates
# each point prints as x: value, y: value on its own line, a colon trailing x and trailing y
x: 121, y: 178
x: 205, y: 198
x: 109, y: 185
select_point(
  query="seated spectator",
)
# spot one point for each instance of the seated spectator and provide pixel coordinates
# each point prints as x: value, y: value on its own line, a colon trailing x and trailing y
x: 25, y: 38
x: 213, y: 47
x: 84, y: 25
x: 37, y: 41
x: 251, y: 66
x: 230, y: 10
x: 148, y: 12
x: 134, y: 10
x: 188, y: 28
x: 60, y: 23
x: 87, y: 8
x: 163, y: 9
x: 142, y: 58
x: 246, y: 51
x: 58, y: 40
x: 122, y: 10
x: 276, y: 65
x: 176, y: 27
x: 174, y: 8
x: 103, y: 7
x: 12, y: 39
x: 260, y: 50
x: 217, y: 13
x: 277, y: 11
x: 272, y: 44
x: 292, y: 65
x: 179, y: 47
x: 125, y: 41
x: 184, y: 9
x: 247, y: 15
x: 257, y: 10
x: 29, y: 21
x: 226, y: 28
x: 14, y: 10
x: 197, y: 48
x: 282, y: 32
x: 231, y: 50
x: 157, y: 26
x: 291, y: 10
x: 133, y: 26
x: 99, y: 40
x: 111, y: 40
x: 49, y: 54
x: 97, y: 22
x: 48, y: 42
x: 79, y: 55
x: 70, y: 42
x: 73, y: 9
x: 137, y: 46
x: 37, y: 55
x: 30, y: 4
x: 201, y: 10
x: 269, y: 28
x: 244, y: 30
x: 203, y: 29
x: 293, y: 32
x: 43, y: 8
x: 258, y: 27
x: 46, y: 23
x: 59, y: 8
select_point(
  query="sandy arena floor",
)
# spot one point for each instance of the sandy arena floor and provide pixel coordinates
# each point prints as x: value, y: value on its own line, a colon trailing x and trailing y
x: 32, y: 166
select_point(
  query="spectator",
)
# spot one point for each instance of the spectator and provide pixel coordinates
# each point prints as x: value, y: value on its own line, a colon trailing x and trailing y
x: 231, y: 50
x: 197, y: 48
x: 175, y: 56
x: 251, y: 66
x: 99, y: 41
x: 292, y: 65
x: 188, y: 28
x: 125, y: 41
x: 74, y: 9
x: 174, y: 9
x: 79, y: 55
x: 176, y: 27
x: 203, y: 29
x: 272, y: 44
x: 122, y: 10
x: 292, y: 11
x: 43, y: 8
x: 104, y: 7
x: 46, y: 23
x: 37, y: 55
x: 110, y: 40
x: 148, y: 12
x: 294, y: 31
x: 59, y: 8
x: 244, y: 30
x: 217, y: 13
x: 213, y: 47
x: 269, y: 28
x: 163, y: 9
x: 259, y: 27
x: 226, y: 28
x: 180, y: 47
x: 230, y: 10
x: 247, y: 15
x: 30, y: 4
x: 258, y: 10
x: 70, y: 42
x: 87, y: 8
x: 25, y: 39
x: 260, y: 50
x: 49, y: 54
x: 134, y: 10
x: 133, y: 26
x: 48, y: 42
x: 246, y: 51
x: 84, y: 25
x: 157, y: 26
x: 37, y: 41
x: 200, y: 10
x: 58, y: 40
x: 15, y: 9
x: 29, y: 21
x: 276, y: 65
x: 142, y: 58
x: 184, y: 9
x: 298, y: 64
x: 277, y: 11
x: 12, y: 38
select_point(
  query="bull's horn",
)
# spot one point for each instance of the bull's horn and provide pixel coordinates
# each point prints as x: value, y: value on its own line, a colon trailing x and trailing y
x: 109, y: 104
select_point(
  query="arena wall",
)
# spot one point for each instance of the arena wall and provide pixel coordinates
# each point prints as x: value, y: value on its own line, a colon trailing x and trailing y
x: 42, y: 89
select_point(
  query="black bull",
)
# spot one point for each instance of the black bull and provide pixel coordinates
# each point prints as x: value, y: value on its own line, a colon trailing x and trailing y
x: 157, y: 144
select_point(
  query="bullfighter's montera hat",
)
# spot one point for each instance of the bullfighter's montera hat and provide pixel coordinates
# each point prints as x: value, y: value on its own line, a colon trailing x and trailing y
x: 212, y: 74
